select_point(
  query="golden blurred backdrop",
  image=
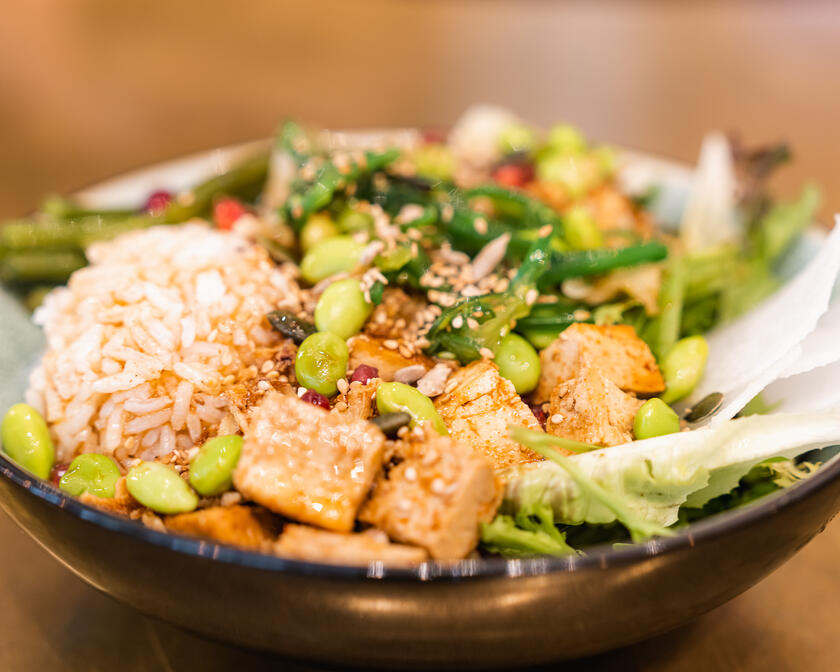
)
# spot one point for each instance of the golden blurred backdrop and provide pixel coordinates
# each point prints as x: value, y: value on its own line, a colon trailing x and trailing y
x: 89, y: 88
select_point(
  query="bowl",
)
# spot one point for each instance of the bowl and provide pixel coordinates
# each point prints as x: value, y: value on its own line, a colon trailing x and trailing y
x: 468, y: 614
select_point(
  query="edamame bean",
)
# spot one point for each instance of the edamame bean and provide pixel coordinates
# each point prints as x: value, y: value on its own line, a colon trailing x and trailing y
x: 92, y: 473
x: 160, y: 488
x: 211, y: 470
x: 321, y: 362
x: 434, y: 161
x: 318, y: 228
x: 353, y: 221
x: 27, y: 441
x: 566, y: 139
x: 655, y: 418
x: 683, y: 367
x: 517, y: 137
x: 331, y: 256
x: 580, y: 230
x: 342, y: 308
x: 518, y: 362
x: 399, y: 397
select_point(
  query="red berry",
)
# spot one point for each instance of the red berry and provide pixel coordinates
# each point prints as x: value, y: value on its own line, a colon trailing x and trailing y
x: 514, y: 174
x: 226, y: 211
x: 364, y: 374
x: 316, y: 399
x: 57, y: 472
x: 157, y: 202
x: 433, y: 136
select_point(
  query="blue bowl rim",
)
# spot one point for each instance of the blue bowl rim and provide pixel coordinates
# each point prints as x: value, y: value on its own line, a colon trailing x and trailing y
x: 596, y: 558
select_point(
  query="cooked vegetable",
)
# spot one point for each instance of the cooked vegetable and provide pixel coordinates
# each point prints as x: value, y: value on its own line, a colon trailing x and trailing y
x: 92, y: 473
x: 402, y: 398
x: 318, y: 228
x: 27, y: 441
x: 333, y: 255
x: 211, y: 470
x: 321, y: 362
x: 159, y: 487
x: 565, y: 265
x: 683, y: 366
x: 290, y: 325
x: 655, y: 418
x: 518, y: 362
x: 342, y: 309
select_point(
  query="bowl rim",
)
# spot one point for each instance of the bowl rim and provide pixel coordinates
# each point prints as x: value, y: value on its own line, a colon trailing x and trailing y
x: 597, y: 558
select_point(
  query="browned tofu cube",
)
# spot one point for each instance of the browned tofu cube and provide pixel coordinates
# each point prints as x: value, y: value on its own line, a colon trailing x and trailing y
x: 614, y: 349
x: 435, y: 497
x: 306, y: 463
x: 243, y: 526
x: 479, y: 407
x: 592, y: 409
x: 388, y: 360
x: 307, y: 543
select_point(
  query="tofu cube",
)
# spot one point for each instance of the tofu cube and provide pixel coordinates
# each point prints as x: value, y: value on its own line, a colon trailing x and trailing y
x: 592, y: 409
x: 435, y: 497
x: 307, y: 543
x: 244, y: 526
x: 307, y: 463
x: 614, y: 349
x: 479, y: 407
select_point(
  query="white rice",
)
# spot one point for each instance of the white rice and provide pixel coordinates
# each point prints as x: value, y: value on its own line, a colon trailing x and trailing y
x: 143, y: 343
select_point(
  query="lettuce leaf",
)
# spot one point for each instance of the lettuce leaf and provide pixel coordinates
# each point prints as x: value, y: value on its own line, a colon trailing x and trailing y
x: 656, y: 476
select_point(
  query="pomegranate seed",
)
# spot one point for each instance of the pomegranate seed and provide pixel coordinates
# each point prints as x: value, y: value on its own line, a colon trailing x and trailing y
x: 539, y: 413
x: 433, y: 136
x: 316, y: 399
x: 57, y: 472
x: 514, y: 174
x: 364, y: 374
x: 226, y: 211
x: 157, y: 202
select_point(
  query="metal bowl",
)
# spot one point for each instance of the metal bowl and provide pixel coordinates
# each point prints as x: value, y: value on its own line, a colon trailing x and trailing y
x: 474, y: 613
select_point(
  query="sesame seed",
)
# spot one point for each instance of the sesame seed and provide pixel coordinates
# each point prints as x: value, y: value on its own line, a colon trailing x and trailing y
x: 267, y: 366
x: 343, y: 386
x: 580, y: 315
x: 531, y: 296
x: 486, y: 353
x: 438, y: 486
x: 301, y: 391
x: 410, y: 474
x: 391, y: 344
x: 472, y: 323
x: 545, y: 230
x: 480, y: 225
x: 458, y: 322
x: 555, y: 419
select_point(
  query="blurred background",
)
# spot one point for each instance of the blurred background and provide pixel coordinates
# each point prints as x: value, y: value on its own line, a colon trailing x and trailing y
x: 89, y: 88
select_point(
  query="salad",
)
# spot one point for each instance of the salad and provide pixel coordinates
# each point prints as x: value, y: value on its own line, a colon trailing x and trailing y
x: 402, y: 346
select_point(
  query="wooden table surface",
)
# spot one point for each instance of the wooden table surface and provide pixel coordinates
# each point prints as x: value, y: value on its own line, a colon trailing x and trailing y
x: 89, y: 88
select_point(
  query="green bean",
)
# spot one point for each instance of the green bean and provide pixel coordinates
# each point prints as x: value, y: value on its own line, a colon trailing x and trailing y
x: 41, y: 232
x: 92, y: 473
x: 671, y: 296
x: 342, y: 309
x: 321, y: 362
x: 331, y: 256
x: 26, y: 439
x: 159, y: 487
x: 240, y: 179
x: 318, y: 228
x: 399, y: 397
x: 655, y: 418
x: 64, y: 208
x: 565, y: 265
x: 211, y: 470
x: 580, y: 230
x: 683, y: 366
x: 40, y: 266
x: 518, y: 362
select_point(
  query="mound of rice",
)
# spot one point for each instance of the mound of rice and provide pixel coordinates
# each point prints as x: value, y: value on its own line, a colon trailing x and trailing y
x: 143, y: 343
